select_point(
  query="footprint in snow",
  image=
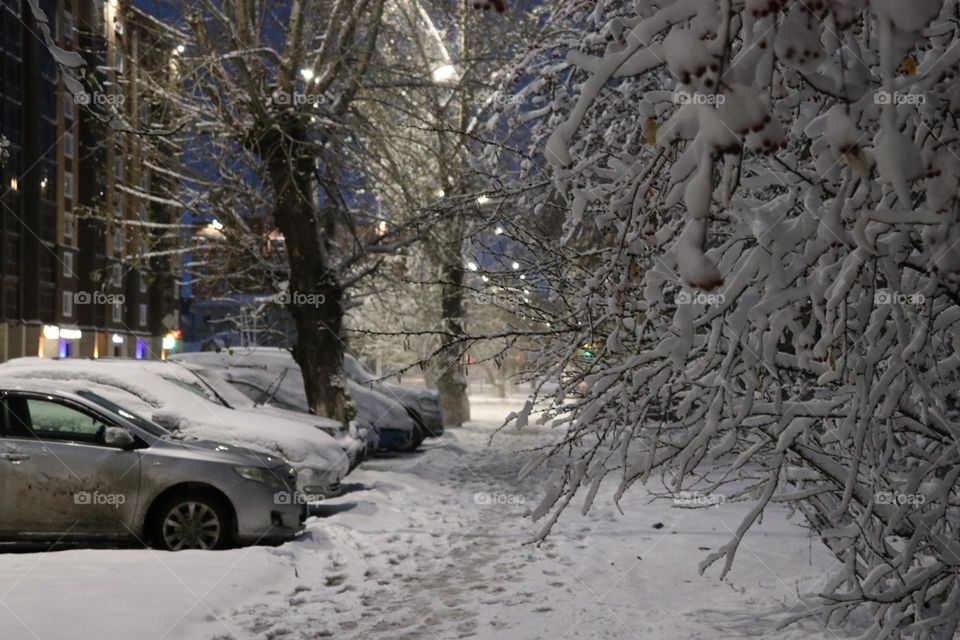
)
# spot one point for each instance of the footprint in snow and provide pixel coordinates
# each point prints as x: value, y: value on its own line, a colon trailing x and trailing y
x: 335, y: 581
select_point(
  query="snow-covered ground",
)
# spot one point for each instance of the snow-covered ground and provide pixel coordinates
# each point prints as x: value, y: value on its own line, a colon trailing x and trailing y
x: 432, y: 545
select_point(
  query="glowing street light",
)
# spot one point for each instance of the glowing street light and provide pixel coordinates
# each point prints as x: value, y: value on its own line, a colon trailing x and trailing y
x: 307, y: 74
x: 482, y: 200
x: 472, y: 266
x: 515, y: 266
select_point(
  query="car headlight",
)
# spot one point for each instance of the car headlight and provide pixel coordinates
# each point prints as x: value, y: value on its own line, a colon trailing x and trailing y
x: 429, y: 402
x: 263, y: 476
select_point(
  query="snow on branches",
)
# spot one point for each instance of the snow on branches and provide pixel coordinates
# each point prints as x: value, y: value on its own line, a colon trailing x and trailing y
x: 762, y: 223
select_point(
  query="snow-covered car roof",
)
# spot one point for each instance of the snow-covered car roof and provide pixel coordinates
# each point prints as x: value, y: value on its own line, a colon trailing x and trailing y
x: 262, y: 366
x: 154, y: 387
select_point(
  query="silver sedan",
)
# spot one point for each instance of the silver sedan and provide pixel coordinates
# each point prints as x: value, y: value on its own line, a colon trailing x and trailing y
x: 78, y: 466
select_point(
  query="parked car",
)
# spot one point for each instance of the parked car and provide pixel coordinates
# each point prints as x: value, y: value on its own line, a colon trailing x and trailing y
x: 78, y: 466
x: 172, y: 397
x: 422, y: 405
x: 351, y: 441
x: 271, y: 376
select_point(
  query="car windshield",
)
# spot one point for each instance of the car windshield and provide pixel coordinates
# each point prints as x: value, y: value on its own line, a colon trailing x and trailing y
x: 197, y: 389
x: 150, y: 427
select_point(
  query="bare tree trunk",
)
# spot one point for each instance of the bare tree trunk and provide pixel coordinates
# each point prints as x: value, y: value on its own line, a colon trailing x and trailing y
x: 452, y: 379
x: 314, y: 297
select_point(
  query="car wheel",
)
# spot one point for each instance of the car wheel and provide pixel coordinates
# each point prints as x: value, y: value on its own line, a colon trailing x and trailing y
x: 415, y: 441
x: 191, y: 521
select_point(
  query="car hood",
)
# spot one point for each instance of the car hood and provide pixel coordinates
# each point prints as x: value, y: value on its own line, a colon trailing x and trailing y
x: 231, y: 453
x: 406, y: 395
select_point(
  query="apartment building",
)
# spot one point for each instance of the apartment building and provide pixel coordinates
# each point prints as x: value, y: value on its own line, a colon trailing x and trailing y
x: 76, y: 276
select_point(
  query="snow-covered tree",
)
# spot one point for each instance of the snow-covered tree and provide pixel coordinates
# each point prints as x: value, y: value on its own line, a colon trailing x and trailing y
x: 760, y: 247
x: 267, y: 90
x: 434, y: 73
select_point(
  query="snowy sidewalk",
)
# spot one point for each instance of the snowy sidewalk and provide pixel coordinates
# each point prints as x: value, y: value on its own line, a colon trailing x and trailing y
x: 432, y: 546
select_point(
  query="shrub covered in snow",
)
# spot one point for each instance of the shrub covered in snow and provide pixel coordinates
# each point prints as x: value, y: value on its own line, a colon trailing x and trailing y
x: 811, y: 190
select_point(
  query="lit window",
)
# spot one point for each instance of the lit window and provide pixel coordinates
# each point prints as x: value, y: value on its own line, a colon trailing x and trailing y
x: 118, y: 243
x: 117, y: 275
x: 68, y: 229
x: 68, y: 185
x: 68, y: 264
x: 117, y: 312
x: 143, y: 315
x: 144, y: 286
x: 68, y: 105
x: 68, y: 145
x: 68, y: 304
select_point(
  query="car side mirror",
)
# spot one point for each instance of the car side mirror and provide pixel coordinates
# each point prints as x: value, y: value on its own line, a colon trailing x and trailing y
x: 168, y: 421
x: 118, y: 437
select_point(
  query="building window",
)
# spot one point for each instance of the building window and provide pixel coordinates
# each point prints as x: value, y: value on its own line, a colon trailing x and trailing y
x: 68, y: 145
x: 143, y: 315
x: 68, y: 304
x: 117, y: 312
x: 117, y: 275
x: 68, y: 264
x: 68, y: 105
x: 68, y: 185
x: 118, y: 173
x: 144, y: 285
x: 68, y: 228
x: 118, y: 243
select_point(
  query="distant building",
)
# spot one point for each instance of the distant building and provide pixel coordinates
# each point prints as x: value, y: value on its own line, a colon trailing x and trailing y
x: 72, y: 281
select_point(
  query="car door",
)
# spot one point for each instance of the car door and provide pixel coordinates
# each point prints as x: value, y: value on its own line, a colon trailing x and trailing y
x: 60, y: 477
x: 8, y: 486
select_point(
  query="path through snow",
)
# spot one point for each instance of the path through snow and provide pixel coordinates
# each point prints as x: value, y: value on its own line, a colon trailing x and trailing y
x: 432, y: 546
